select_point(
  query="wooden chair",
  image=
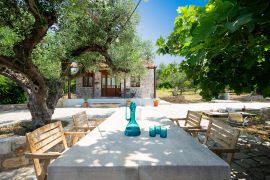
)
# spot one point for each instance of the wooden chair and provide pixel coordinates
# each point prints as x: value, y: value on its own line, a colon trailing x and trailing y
x: 225, y: 139
x: 81, y: 123
x: 43, y: 139
x: 237, y: 119
x: 192, y: 121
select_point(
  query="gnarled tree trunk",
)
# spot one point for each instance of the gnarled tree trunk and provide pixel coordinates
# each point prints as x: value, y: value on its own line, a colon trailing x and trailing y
x: 39, y: 110
x: 42, y: 106
x: 42, y: 99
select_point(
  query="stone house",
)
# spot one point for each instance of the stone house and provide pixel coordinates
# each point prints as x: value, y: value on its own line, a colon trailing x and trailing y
x: 101, y: 84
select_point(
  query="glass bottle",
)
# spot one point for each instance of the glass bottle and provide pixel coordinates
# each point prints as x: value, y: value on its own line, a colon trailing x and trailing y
x: 132, y: 128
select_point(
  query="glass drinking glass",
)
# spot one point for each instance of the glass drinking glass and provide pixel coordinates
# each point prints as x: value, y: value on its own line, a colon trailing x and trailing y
x: 163, y: 132
x: 152, y: 131
x: 157, y: 128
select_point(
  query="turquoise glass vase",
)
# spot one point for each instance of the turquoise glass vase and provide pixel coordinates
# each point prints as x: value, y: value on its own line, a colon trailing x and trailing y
x: 132, y: 128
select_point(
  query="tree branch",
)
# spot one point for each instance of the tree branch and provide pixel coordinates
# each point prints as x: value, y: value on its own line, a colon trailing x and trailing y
x: 110, y: 63
x: 89, y: 48
x: 19, y: 78
x: 10, y: 66
x: 10, y: 63
x: 42, y: 23
x: 33, y: 9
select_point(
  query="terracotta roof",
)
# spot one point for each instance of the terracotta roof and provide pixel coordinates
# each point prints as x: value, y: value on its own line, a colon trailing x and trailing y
x: 150, y: 66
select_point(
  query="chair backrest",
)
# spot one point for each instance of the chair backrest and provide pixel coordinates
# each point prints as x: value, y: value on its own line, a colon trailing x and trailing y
x: 46, y: 137
x: 80, y: 119
x: 193, y: 119
x: 236, y: 117
x: 43, y: 139
x: 222, y: 134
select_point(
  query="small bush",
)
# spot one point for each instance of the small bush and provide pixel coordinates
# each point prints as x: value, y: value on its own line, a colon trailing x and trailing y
x: 10, y: 92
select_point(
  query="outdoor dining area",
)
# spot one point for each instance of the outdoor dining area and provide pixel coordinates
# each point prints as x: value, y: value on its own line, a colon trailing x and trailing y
x: 146, y: 146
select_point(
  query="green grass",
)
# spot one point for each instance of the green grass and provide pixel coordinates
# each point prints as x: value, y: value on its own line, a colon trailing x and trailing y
x: 188, y: 96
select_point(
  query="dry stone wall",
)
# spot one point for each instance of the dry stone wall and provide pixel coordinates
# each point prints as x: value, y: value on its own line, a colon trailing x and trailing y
x: 12, y: 151
x: 265, y: 114
x: 12, y: 107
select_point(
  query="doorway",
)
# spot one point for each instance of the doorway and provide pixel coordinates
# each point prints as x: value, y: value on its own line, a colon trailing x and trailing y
x: 110, y: 87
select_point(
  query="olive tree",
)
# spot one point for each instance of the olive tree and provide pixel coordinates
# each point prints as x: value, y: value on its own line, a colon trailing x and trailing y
x: 41, y: 39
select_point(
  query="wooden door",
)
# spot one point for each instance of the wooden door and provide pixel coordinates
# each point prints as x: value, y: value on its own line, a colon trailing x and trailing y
x: 109, y: 85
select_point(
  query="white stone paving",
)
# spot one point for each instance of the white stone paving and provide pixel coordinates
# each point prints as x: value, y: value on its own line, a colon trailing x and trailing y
x: 10, y: 117
x: 167, y: 109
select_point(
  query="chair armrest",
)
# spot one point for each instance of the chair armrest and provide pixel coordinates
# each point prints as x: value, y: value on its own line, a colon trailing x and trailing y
x: 49, y: 155
x: 80, y: 134
x: 224, y: 150
x: 83, y: 127
x: 191, y: 127
x: 195, y: 130
x: 177, y: 119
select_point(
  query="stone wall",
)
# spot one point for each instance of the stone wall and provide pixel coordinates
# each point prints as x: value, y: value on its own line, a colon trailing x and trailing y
x: 265, y: 114
x: 83, y: 92
x: 13, y: 107
x: 12, y: 151
x: 87, y: 92
x: 98, y: 84
x: 146, y: 89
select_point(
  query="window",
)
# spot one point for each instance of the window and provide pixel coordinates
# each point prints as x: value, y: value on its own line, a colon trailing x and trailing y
x: 88, y: 80
x: 135, y: 81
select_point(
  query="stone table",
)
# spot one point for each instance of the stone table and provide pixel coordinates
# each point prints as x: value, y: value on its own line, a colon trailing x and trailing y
x: 105, y: 153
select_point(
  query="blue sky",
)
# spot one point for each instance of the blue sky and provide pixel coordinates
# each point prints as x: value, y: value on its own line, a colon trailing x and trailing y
x: 157, y: 19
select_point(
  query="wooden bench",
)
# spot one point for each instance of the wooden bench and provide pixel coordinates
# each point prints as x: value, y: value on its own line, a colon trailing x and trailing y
x: 224, y: 136
x: 41, y: 141
x: 192, y: 121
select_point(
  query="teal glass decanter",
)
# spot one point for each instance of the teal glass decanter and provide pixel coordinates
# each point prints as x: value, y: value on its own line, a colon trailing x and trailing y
x: 132, y: 128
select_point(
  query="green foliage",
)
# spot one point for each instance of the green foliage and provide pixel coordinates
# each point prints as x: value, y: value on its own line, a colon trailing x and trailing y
x: 10, y: 92
x: 132, y: 55
x: 225, y: 43
x: 172, y: 76
x: 72, y: 87
x: 79, y: 23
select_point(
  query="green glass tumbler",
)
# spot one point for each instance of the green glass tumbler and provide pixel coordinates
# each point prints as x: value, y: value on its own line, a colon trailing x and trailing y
x: 157, y: 129
x: 152, y: 131
x: 163, y: 132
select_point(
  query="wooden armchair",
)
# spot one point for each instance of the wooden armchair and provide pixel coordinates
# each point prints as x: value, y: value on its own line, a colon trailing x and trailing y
x: 237, y: 119
x: 81, y: 123
x: 224, y: 136
x: 41, y: 140
x: 192, y: 121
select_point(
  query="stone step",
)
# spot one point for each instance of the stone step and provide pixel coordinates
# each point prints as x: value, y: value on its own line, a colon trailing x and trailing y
x: 105, y: 105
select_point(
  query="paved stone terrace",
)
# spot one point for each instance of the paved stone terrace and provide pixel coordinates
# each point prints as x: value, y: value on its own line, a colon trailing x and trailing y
x: 251, y: 163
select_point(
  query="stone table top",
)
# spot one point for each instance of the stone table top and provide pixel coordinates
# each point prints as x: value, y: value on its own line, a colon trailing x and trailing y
x: 105, y: 153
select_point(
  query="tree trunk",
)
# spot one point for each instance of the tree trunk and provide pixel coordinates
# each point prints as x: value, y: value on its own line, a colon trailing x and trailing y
x: 39, y: 110
x: 175, y: 90
x: 69, y: 91
x: 42, y: 106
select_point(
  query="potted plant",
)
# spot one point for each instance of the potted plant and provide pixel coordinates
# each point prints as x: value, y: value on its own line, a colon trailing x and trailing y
x: 85, y: 103
x: 155, y: 102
